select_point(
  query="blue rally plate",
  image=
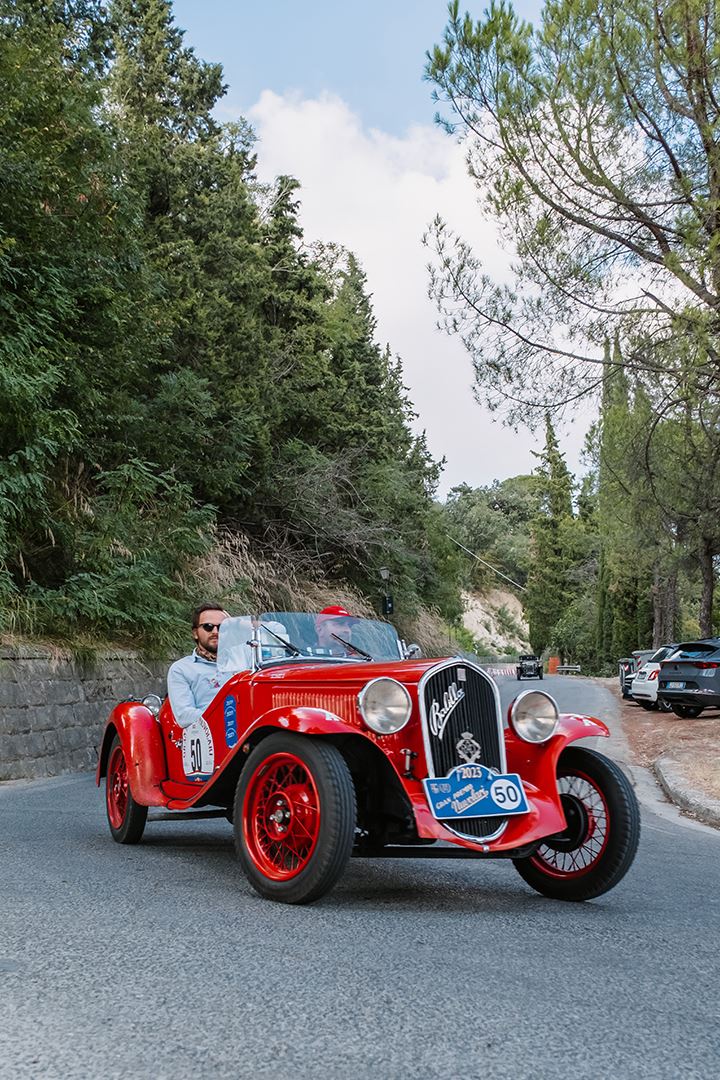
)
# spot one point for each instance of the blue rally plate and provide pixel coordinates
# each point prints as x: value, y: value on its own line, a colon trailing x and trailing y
x: 474, y: 791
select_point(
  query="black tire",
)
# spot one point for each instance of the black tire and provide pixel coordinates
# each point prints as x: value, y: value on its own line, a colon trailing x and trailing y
x: 540, y: 675
x: 597, y: 849
x: 687, y: 712
x: 649, y: 706
x: 316, y: 797
x: 126, y: 817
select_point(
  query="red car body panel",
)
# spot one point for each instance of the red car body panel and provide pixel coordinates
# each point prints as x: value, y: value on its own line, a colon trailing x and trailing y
x: 319, y: 699
x: 144, y: 749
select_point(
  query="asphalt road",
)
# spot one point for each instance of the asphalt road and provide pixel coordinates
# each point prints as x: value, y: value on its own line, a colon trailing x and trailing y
x: 160, y: 961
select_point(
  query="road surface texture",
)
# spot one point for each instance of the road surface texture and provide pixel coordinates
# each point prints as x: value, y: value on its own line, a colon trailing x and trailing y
x: 160, y: 961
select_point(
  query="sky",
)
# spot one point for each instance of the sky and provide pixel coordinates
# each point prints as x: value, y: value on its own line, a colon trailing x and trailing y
x: 336, y: 95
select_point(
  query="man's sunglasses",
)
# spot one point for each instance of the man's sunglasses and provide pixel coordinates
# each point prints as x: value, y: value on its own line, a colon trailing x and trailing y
x: 209, y: 626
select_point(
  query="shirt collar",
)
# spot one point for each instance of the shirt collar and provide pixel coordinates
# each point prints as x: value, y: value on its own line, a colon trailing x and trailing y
x: 201, y: 659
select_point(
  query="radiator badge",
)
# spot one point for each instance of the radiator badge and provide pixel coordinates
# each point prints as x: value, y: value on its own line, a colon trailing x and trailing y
x: 467, y: 747
x: 440, y: 714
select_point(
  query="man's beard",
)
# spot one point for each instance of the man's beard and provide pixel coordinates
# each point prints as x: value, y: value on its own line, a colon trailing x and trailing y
x: 206, y: 653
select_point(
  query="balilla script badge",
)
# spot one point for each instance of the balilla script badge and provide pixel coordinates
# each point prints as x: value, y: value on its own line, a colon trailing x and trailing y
x: 440, y: 714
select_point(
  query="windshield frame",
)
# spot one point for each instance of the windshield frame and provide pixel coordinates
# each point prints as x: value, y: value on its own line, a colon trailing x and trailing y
x: 258, y: 644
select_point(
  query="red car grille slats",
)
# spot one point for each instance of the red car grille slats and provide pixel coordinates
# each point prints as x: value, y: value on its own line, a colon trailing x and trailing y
x: 343, y: 705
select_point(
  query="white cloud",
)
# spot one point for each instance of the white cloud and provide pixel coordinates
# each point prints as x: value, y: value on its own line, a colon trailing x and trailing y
x: 376, y: 193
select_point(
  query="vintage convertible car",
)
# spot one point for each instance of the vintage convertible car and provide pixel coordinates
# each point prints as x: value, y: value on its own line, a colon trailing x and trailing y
x: 319, y: 752
x: 529, y: 667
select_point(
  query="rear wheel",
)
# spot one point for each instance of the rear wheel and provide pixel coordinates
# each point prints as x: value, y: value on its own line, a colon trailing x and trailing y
x: 687, y: 712
x: 649, y: 706
x: 294, y: 817
x: 598, y: 846
x: 126, y: 817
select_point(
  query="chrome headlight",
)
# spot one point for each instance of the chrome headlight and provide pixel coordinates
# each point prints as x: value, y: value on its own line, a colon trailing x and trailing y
x: 153, y: 703
x: 385, y: 706
x: 534, y: 716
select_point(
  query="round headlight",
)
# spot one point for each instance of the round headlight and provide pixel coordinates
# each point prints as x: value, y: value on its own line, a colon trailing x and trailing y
x: 534, y: 716
x: 153, y: 703
x: 385, y: 706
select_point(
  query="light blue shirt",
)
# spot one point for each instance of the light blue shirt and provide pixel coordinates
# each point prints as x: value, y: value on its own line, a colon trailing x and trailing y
x: 192, y: 684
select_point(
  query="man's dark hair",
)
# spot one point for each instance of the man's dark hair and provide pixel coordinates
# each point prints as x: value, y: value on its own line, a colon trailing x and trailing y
x: 197, y: 612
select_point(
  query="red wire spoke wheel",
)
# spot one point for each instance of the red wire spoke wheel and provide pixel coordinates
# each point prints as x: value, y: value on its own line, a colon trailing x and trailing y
x: 577, y: 850
x: 597, y: 847
x: 126, y: 817
x: 282, y: 817
x: 294, y: 817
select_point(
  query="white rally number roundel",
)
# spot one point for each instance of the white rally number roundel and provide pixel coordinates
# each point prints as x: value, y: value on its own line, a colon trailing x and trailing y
x: 198, y: 753
x: 505, y: 793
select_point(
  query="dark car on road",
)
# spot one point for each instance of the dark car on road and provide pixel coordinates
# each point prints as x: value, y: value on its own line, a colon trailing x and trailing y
x: 529, y: 667
x: 690, y: 681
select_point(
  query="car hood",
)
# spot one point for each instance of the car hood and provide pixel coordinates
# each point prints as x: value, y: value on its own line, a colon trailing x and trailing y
x: 342, y: 674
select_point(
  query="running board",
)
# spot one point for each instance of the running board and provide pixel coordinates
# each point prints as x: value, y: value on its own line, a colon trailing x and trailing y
x: 187, y: 815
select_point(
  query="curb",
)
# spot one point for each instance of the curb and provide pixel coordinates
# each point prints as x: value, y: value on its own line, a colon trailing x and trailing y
x: 668, y: 770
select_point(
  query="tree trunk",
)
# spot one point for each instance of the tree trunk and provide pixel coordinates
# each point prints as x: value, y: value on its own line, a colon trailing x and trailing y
x: 708, y: 588
x: 665, y: 606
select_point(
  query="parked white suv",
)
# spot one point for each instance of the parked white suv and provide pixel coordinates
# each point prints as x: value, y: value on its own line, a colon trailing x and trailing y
x: 644, y: 687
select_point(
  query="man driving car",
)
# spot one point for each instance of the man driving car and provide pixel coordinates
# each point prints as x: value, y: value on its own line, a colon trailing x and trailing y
x: 194, y: 680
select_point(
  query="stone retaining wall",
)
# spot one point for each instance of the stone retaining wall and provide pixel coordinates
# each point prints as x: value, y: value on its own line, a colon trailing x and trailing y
x: 52, y: 708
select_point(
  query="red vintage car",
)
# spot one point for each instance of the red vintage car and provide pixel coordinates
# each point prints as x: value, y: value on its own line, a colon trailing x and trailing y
x: 317, y: 752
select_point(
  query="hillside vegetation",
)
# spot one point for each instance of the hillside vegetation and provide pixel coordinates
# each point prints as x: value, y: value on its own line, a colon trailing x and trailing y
x: 181, y: 377
x: 195, y: 405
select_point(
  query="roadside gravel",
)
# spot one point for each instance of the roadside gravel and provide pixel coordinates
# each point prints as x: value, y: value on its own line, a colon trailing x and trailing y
x: 683, y: 754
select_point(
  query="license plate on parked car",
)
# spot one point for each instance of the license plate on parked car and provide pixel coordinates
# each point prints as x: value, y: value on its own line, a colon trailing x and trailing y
x: 676, y: 686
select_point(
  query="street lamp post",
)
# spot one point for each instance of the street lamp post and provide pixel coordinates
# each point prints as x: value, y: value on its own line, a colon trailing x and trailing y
x: 388, y: 605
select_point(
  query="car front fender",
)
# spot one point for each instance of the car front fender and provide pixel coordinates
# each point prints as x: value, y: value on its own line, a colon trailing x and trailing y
x: 306, y: 720
x: 142, y: 743
x: 538, y: 761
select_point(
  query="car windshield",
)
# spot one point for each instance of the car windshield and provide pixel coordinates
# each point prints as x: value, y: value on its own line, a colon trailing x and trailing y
x: 662, y: 654
x: 278, y: 636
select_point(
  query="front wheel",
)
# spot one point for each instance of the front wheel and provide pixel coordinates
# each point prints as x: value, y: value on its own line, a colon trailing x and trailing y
x: 126, y: 817
x: 597, y: 848
x: 687, y: 712
x: 294, y: 817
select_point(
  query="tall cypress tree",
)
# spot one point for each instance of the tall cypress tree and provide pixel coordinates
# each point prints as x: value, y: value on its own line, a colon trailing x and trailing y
x: 548, y: 587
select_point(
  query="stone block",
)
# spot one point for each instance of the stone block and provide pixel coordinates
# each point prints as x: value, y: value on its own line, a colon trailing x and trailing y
x: 63, y: 716
x: 52, y: 742
x: 62, y: 692
x: 15, y: 721
x: 77, y: 738
x: 20, y: 747
x: 90, y: 713
x: 12, y: 693
x: 98, y: 690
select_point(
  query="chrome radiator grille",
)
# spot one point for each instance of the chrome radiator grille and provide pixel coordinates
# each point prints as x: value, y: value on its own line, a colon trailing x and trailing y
x: 460, y: 714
